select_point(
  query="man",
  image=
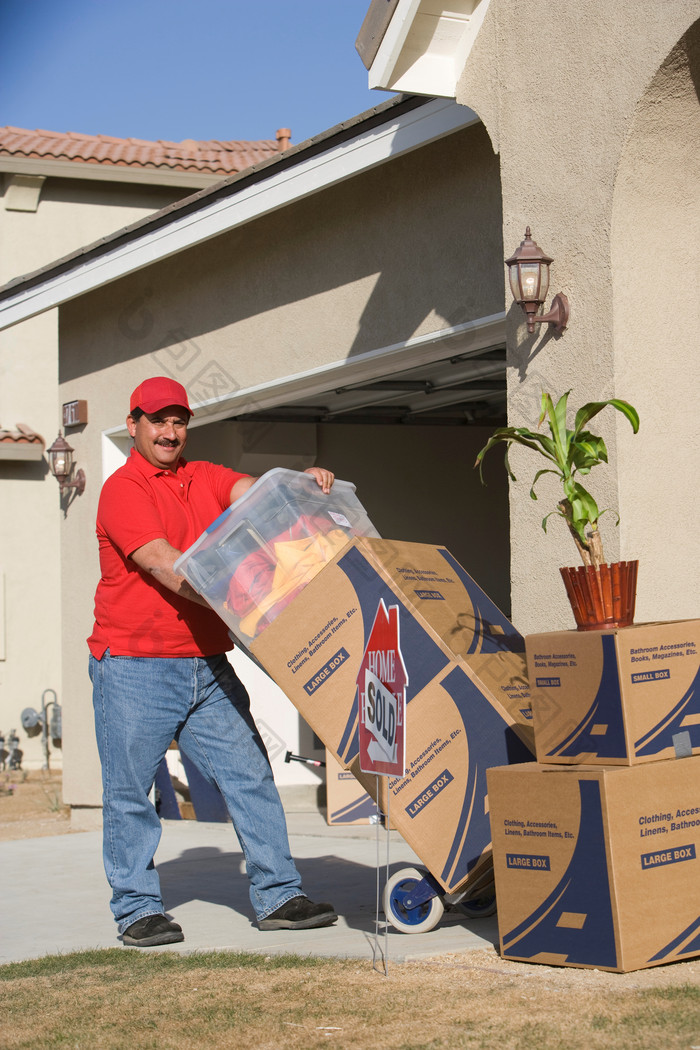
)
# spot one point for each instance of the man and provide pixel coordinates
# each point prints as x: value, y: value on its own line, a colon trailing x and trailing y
x: 159, y: 672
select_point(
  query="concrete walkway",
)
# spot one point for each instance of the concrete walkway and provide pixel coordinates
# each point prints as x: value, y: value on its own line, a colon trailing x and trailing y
x: 54, y: 897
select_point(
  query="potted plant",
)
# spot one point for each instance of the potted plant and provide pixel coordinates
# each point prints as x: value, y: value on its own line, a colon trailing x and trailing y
x: 601, y: 595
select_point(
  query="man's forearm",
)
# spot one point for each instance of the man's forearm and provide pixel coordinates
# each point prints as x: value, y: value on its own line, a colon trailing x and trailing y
x: 157, y: 559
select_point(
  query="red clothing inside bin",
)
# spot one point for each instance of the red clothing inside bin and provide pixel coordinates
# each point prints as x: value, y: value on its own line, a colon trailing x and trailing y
x: 264, y: 583
x: 134, y: 614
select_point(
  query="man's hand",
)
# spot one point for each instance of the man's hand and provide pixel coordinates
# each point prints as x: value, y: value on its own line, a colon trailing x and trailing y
x: 324, y: 478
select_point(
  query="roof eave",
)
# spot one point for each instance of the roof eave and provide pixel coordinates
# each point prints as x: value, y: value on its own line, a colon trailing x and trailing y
x: 101, y: 172
x: 407, y: 45
x: 375, y: 137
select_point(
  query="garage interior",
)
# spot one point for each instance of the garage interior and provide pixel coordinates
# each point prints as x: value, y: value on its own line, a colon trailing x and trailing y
x: 407, y: 440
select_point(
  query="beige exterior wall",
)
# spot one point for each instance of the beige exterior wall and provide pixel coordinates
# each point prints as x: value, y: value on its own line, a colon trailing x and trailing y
x: 410, y: 248
x: 593, y: 109
x: 70, y: 213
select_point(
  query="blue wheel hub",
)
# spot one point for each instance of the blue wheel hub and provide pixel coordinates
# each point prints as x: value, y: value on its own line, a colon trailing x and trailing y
x: 410, y: 900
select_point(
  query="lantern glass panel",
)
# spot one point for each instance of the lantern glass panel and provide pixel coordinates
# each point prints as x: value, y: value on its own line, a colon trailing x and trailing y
x: 62, y: 461
x: 514, y: 278
x: 533, y: 282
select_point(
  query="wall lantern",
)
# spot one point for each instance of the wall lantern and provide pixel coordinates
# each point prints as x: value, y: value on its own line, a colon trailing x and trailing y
x: 60, y: 456
x: 528, y: 273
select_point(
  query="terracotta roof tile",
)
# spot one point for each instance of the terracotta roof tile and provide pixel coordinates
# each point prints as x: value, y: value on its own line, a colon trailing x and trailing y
x: 22, y: 433
x: 214, y: 157
x: 23, y: 443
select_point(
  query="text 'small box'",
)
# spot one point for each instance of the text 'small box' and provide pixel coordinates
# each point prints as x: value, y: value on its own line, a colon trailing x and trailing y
x: 624, y: 696
x: 597, y: 866
x: 414, y: 615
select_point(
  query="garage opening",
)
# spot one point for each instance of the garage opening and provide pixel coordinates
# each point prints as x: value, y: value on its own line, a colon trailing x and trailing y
x: 407, y: 440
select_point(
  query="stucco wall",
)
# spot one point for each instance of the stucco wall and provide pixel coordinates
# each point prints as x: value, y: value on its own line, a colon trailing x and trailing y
x: 412, y: 247
x: 589, y: 159
x: 656, y: 274
x: 70, y: 213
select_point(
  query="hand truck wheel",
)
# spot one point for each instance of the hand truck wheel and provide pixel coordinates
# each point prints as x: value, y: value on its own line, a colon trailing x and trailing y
x: 479, y: 907
x: 411, y: 903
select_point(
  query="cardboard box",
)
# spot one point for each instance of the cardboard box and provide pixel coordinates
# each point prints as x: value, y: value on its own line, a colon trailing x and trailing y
x: 346, y: 801
x: 623, y: 696
x: 597, y: 866
x: 315, y: 647
x: 462, y: 666
x: 455, y: 731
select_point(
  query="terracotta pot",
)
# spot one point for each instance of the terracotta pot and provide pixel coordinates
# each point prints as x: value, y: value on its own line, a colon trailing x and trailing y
x: 602, y: 597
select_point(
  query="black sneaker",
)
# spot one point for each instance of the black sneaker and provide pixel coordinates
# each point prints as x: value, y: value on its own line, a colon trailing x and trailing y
x: 299, y: 914
x: 154, y: 929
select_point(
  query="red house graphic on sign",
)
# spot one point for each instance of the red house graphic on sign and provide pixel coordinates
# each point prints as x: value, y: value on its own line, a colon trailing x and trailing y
x: 381, y: 688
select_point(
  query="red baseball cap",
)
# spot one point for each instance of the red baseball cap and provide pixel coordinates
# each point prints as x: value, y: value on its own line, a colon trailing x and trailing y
x: 159, y: 392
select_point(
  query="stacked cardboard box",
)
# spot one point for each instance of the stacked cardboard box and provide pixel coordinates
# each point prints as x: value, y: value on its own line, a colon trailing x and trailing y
x: 414, y: 611
x: 347, y: 802
x: 616, y: 697
x: 320, y: 608
x: 596, y: 847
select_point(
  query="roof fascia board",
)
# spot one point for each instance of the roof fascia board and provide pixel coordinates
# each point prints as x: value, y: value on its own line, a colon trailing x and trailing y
x: 463, y: 340
x: 410, y: 59
x: 392, y: 42
x: 62, y: 169
x: 274, y: 189
x: 22, y: 450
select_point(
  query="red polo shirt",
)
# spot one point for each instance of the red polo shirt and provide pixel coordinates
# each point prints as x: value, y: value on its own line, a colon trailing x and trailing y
x: 135, y: 615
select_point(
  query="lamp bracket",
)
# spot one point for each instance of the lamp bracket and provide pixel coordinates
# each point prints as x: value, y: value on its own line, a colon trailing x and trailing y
x: 558, y: 315
x: 78, y: 483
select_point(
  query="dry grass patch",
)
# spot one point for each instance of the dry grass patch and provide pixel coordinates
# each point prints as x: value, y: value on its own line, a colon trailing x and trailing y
x: 119, y: 998
x: 31, y: 804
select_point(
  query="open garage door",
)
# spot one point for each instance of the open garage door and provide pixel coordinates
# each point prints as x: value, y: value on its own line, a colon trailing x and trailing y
x: 407, y: 439
x: 465, y: 389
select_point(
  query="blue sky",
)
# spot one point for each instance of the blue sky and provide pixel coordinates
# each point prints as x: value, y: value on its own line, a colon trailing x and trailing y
x: 174, y: 69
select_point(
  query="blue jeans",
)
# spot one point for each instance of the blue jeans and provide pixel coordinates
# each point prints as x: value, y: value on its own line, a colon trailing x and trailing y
x: 142, y: 704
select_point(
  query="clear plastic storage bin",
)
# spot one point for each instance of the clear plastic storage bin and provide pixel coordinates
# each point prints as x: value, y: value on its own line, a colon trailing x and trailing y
x: 263, y: 550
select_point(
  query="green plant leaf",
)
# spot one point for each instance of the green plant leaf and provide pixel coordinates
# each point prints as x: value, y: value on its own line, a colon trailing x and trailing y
x: 586, y: 412
x: 584, y: 508
x: 588, y: 451
x: 538, y: 475
x: 573, y: 453
x: 520, y: 436
x: 552, y: 513
x: 556, y: 416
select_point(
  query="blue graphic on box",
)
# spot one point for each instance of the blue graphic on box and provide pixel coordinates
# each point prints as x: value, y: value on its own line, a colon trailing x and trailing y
x: 684, y: 944
x: 657, y: 675
x: 424, y: 659
x: 329, y: 668
x: 361, y: 808
x: 486, y: 616
x: 498, y: 745
x: 684, y: 716
x: 606, y: 710
x: 529, y: 861
x: 430, y: 596
x: 668, y: 856
x: 432, y: 791
x: 583, y: 890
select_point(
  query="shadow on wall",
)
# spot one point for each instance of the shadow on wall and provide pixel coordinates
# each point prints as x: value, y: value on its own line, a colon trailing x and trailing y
x: 418, y: 238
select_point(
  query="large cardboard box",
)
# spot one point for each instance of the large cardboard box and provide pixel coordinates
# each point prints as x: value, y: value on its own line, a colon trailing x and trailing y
x: 412, y: 613
x: 315, y: 647
x: 625, y: 696
x: 597, y: 866
x: 347, y: 803
x: 455, y: 732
